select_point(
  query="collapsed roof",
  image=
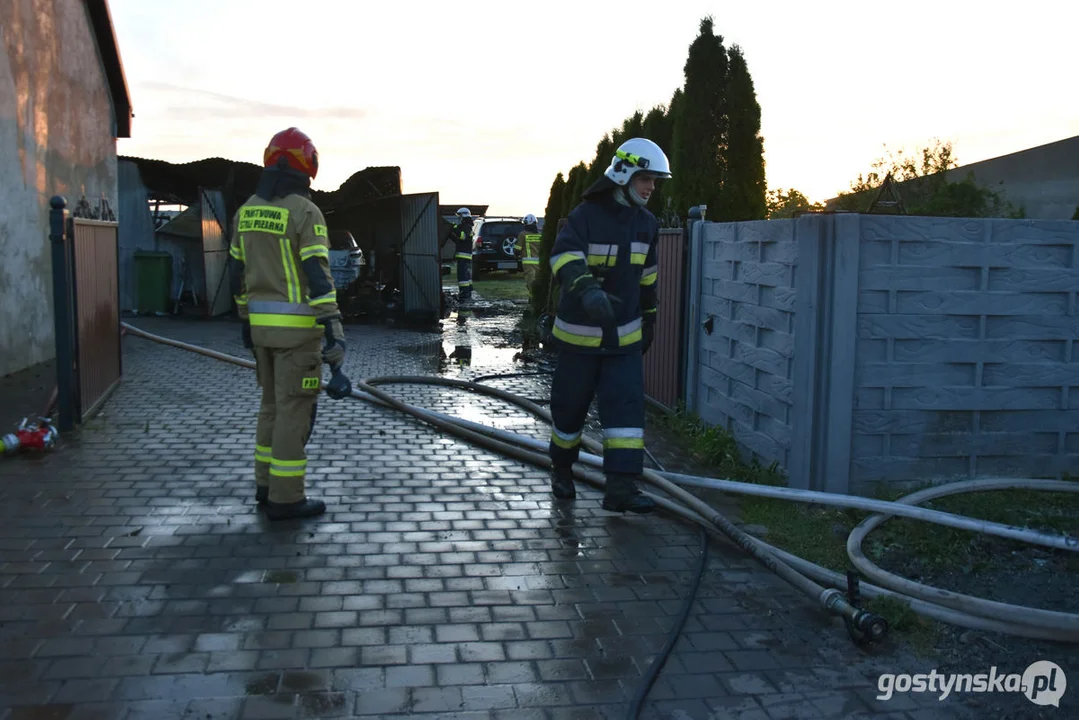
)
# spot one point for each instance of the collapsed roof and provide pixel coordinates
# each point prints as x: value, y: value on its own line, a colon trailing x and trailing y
x: 179, y: 183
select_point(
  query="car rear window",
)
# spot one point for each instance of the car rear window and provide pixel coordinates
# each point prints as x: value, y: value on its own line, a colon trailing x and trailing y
x: 502, y: 229
x: 342, y: 240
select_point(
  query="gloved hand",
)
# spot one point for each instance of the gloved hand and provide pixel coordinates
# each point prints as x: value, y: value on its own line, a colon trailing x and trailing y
x: 333, y: 353
x: 339, y: 385
x: 597, y: 304
x: 648, y: 333
x: 245, y: 334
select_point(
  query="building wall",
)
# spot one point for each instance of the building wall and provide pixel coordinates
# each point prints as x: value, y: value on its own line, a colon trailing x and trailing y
x: 57, y: 137
x: 1042, y: 180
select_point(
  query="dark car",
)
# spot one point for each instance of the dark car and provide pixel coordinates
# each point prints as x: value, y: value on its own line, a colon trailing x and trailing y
x: 495, y: 247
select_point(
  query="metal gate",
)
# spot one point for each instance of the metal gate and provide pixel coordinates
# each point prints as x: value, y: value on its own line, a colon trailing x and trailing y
x: 215, y: 251
x: 421, y: 277
x: 96, y: 306
x: 663, y: 363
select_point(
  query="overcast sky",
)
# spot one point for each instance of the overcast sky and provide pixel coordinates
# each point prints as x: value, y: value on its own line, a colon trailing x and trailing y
x: 484, y: 102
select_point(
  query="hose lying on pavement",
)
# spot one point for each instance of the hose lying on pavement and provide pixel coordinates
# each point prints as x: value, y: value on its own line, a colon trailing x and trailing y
x: 952, y: 608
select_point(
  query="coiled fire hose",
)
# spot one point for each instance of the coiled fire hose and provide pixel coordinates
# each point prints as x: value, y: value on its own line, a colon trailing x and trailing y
x: 942, y: 605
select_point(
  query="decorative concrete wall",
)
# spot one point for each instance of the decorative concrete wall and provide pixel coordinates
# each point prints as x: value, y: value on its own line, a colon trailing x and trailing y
x: 856, y: 349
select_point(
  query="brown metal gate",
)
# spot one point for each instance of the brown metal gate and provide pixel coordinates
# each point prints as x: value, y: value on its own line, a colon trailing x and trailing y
x: 95, y: 257
x: 663, y: 363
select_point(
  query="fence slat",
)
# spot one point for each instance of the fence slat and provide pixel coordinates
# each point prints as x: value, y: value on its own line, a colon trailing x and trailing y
x: 662, y: 364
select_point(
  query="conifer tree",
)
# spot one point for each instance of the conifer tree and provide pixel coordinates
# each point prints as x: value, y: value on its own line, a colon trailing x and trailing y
x: 745, y: 190
x: 701, y: 125
x: 551, y: 215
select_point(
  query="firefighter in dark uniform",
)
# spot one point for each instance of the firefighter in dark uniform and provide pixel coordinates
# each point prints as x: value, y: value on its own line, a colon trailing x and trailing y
x: 284, y: 291
x: 605, y: 262
x: 462, y: 238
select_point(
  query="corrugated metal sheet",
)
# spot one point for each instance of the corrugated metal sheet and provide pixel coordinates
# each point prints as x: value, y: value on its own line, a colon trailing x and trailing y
x: 215, y: 249
x: 421, y: 277
x: 136, y: 229
x: 97, y: 314
x: 663, y: 363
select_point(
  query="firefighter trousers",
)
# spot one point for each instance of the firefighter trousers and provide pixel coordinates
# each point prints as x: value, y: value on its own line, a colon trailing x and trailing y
x: 291, y: 379
x: 618, y: 381
x: 464, y: 276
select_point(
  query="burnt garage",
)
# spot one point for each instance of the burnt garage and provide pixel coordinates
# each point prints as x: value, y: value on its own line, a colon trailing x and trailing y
x: 400, y: 237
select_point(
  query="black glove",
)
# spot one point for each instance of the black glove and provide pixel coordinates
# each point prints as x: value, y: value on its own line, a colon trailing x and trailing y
x: 339, y: 385
x: 333, y: 353
x: 245, y: 333
x: 597, y: 304
x: 648, y: 333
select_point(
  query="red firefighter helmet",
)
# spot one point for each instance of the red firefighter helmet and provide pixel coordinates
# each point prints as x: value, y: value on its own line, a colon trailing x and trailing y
x: 296, y: 148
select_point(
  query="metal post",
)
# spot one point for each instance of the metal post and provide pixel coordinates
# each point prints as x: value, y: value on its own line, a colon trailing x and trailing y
x: 692, y: 314
x: 62, y: 328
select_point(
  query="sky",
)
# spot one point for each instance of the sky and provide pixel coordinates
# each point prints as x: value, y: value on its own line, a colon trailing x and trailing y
x: 485, y: 102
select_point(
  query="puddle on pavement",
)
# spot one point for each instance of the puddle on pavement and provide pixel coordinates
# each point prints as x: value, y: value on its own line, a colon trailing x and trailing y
x: 263, y: 684
x: 281, y: 576
x: 322, y: 704
x: 479, y: 337
x: 302, y: 681
x: 449, y: 352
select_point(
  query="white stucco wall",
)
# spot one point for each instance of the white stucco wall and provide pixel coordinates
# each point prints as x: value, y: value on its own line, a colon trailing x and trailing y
x: 57, y: 137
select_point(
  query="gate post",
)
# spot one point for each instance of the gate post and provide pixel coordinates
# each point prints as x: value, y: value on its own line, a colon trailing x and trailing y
x: 63, y: 327
x: 692, y: 310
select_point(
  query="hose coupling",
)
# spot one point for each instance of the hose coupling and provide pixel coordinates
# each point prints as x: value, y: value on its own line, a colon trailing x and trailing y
x: 864, y: 627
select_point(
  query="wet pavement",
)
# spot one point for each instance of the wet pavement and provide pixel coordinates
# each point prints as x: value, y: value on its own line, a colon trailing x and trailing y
x: 137, y: 579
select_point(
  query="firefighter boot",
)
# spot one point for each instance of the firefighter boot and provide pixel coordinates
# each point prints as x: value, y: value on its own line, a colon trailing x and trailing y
x: 301, y: 509
x: 262, y: 494
x: 621, y: 494
x: 562, y: 483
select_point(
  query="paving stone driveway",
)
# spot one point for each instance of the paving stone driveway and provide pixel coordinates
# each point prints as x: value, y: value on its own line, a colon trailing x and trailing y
x: 137, y: 579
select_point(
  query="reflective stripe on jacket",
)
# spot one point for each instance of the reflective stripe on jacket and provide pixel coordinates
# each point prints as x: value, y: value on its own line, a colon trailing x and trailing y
x: 528, y: 245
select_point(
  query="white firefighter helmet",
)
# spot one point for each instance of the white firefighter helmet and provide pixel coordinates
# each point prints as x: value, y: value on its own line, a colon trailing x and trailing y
x: 637, y: 155
x: 464, y: 212
x: 529, y: 219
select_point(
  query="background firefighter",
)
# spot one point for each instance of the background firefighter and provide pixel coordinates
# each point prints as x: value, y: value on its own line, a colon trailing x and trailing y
x: 462, y: 238
x: 528, y: 247
x: 605, y: 261
x: 284, y: 291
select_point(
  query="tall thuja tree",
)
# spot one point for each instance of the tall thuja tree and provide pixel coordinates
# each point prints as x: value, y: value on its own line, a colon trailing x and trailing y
x: 699, y: 154
x: 657, y: 126
x: 633, y: 126
x: 576, y: 184
x: 541, y: 282
x: 602, y: 159
x: 745, y: 190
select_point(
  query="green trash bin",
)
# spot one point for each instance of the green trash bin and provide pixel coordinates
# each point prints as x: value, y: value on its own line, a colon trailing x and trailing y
x: 153, y: 282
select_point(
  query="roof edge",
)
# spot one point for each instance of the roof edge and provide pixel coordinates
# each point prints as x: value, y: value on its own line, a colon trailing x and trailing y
x: 107, y: 45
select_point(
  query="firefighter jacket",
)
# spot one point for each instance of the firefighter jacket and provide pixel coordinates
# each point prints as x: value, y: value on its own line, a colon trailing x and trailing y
x: 613, y: 245
x: 528, y: 247
x: 462, y: 239
x: 281, y: 280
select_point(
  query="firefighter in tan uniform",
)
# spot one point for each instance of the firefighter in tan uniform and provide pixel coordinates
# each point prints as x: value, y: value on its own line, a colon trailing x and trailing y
x: 284, y: 291
x: 528, y: 248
